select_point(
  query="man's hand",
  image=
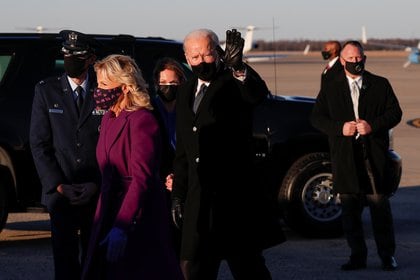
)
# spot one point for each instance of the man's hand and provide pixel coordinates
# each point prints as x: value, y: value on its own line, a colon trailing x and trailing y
x: 177, y: 211
x: 117, y: 242
x: 349, y: 128
x: 85, y: 193
x: 232, y: 55
x: 363, y: 127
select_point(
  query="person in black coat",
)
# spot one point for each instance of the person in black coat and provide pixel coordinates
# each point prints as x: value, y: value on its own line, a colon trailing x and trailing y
x: 356, y: 110
x: 168, y: 75
x: 214, y: 195
x: 331, y: 53
x: 63, y: 134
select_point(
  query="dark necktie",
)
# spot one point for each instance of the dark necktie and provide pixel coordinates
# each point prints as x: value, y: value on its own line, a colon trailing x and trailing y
x: 79, y: 99
x: 199, y: 96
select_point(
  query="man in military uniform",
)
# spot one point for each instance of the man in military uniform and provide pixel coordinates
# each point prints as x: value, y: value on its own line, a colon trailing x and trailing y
x: 63, y: 137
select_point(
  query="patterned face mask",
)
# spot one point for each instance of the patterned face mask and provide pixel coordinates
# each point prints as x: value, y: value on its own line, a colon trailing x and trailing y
x: 105, y: 98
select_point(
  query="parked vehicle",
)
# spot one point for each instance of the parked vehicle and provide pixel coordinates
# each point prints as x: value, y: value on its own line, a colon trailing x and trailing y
x: 295, y: 166
x: 291, y: 156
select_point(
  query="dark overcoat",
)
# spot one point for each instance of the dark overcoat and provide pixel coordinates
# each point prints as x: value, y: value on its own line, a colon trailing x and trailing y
x: 213, y: 163
x: 379, y: 106
x: 63, y: 144
x: 133, y: 199
x: 332, y: 72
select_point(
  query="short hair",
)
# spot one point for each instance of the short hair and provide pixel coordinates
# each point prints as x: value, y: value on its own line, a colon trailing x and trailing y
x: 123, y: 69
x: 336, y: 44
x: 354, y: 43
x: 200, y: 33
x: 168, y: 63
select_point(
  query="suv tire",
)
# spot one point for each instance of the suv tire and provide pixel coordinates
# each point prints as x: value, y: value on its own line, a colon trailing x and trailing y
x: 307, y: 199
x: 4, y: 186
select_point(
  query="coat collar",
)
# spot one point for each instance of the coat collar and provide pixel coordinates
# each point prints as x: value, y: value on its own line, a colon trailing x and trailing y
x: 213, y: 87
x: 113, y: 128
x: 89, y: 103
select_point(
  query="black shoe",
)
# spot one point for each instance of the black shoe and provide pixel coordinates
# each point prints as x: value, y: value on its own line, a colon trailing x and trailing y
x: 353, y: 265
x: 389, y: 263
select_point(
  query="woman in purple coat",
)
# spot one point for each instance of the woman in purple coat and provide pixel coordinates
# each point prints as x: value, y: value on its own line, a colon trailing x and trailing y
x: 130, y: 236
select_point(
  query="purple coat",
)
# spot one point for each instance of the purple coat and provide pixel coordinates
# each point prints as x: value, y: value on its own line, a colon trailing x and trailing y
x: 132, y: 198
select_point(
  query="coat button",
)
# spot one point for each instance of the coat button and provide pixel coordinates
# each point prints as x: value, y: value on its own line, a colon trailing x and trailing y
x: 78, y: 160
x: 194, y: 128
x: 197, y: 159
x: 78, y: 144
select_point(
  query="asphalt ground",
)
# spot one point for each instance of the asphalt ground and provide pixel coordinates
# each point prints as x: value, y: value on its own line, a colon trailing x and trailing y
x: 25, y: 251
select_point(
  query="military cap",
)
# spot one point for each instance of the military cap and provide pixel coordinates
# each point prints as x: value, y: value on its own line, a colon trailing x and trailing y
x: 76, y: 43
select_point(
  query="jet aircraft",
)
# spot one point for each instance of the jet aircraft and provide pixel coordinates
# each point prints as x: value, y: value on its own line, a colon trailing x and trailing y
x: 249, y: 45
x: 414, y: 52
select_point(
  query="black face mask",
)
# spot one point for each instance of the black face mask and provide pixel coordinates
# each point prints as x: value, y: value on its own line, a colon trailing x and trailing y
x: 355, y: 68
x: 205, y: 71
x: 74, y: 66
x: 167, y: 92
x: 325, y: 55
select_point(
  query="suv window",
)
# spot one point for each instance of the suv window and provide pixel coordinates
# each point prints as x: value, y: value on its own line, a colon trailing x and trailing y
x: 4, y: 63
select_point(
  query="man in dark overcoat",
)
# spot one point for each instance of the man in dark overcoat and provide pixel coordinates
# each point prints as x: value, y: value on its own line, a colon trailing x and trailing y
x: 214, y: 195
x: 356, y: 110
x: 331, y: 53
x: 63, y: 136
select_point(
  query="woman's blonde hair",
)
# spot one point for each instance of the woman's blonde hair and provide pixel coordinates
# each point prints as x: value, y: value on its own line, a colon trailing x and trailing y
x: 123, y: 69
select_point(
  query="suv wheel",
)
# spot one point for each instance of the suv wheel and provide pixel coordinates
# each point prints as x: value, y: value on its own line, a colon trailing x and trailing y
x: 307, y: 199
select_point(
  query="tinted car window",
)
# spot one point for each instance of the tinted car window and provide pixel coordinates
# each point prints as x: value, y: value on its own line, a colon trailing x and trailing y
x: 4, y: 63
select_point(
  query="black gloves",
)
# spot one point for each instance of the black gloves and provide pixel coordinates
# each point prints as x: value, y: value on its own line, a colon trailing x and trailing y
x: 86, y: 192
x: 232, y: 55
x: 79, y: 194
x: 177, y: 211
x: 69, y: 191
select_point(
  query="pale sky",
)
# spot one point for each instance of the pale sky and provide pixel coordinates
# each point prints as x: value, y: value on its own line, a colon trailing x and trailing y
x: 173, y: 19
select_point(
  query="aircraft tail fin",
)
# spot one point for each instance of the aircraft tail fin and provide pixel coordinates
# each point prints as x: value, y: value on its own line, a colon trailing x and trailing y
x: 364, y: 36
x: 248, y: 38
x: 306, y: 50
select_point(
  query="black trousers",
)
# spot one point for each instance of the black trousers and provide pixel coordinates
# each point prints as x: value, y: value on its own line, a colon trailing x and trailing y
x: 70, y: 232
x: 382, y: 224
x: 246, y: 265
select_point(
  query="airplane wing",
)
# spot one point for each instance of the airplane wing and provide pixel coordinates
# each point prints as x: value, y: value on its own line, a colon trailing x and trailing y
x: 262, y: 57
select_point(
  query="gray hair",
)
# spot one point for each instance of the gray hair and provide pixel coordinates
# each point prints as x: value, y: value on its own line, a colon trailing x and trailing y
x: 199, y: 33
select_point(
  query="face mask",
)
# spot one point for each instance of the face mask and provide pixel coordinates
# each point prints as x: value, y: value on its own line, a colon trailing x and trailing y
x: 205, y: 71
x: 325, y: 55
x: 74, y: 66
x: 355, y: 68
x: 105, y: 98
x: 167, y: 92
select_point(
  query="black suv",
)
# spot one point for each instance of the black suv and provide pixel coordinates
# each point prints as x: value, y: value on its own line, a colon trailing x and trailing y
x: 291, y: 156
